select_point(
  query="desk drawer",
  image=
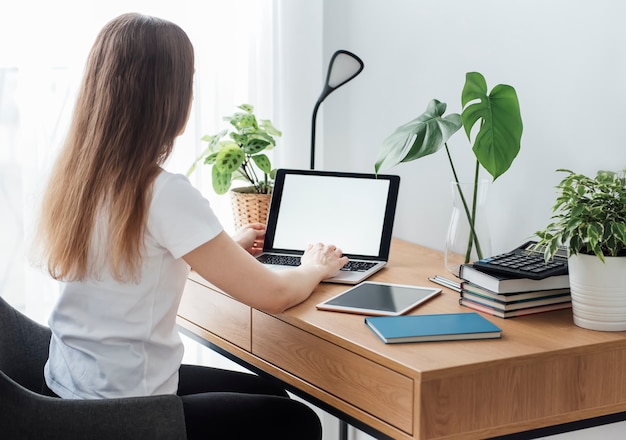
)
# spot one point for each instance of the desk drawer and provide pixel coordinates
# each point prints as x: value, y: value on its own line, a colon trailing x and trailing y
x: 367, y: 385
x: 217, y: 313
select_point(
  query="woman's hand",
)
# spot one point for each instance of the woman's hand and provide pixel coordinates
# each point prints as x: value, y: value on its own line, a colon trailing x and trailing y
x: 328, y: 256
x: 222, y: 261
x: 251, y: 237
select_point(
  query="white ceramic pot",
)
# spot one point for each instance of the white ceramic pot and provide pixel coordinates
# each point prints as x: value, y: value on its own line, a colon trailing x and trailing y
x: 598, y: 292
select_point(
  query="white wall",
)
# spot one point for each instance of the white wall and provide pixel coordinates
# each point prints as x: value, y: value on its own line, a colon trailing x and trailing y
x: 566, y: 59
x: 298, y: 77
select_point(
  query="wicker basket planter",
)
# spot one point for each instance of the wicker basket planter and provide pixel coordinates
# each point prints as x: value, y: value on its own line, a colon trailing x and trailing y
x: 249, y: 206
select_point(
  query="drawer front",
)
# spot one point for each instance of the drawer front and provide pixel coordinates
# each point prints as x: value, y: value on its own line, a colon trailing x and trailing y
x: 217, y: 313
x: 384, y: 393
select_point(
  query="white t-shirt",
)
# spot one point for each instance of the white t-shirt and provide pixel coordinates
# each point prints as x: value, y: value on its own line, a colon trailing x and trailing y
x: 113, y: 339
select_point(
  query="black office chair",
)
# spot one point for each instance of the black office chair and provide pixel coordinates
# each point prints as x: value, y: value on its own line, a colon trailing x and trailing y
x: 26, y: 414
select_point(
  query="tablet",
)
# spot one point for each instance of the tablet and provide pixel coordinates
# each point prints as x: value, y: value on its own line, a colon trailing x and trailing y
x: 371, y: 298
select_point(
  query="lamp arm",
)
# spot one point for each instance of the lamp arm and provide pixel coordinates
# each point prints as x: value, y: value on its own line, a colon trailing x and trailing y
x: 313, y: 125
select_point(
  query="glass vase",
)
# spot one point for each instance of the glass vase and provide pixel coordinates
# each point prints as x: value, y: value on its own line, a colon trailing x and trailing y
x: 468, y: 237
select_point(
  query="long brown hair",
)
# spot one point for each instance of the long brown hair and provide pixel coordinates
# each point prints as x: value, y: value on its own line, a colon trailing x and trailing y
x: 133, y: 102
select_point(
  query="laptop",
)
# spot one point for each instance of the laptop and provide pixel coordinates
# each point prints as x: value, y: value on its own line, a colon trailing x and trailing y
x: 354, y: 211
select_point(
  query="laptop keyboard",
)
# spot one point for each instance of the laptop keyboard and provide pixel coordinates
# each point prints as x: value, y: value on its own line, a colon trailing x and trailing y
x: 282, y: 260
x: 358, y: 266
x: 294, y: 260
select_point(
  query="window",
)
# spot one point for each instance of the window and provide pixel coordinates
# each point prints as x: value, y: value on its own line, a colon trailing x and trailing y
x: 40, y: 74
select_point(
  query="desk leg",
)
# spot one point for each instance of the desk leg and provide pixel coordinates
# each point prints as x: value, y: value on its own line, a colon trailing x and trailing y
x: 343, y: 430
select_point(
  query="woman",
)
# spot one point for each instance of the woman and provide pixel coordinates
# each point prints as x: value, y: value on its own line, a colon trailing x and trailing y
x: 120, y: 233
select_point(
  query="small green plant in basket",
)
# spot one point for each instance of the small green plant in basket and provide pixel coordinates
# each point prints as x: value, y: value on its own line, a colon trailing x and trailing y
x: 238, y: 153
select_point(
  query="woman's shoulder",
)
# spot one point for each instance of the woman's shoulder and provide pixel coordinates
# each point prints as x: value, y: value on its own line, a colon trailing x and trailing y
x: 180, y: 218
x: 165, y: 178
x: 174, y: 191
x: 172, y: 184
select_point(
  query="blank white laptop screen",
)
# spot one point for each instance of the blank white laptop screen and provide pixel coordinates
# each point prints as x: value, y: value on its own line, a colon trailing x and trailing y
x: 348, y: 212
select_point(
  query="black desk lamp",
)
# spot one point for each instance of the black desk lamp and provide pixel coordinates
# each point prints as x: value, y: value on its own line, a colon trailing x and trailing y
x: 343, y: 67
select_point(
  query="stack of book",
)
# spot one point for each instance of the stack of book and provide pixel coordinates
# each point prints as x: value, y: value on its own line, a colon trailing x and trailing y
x: 507, y: 297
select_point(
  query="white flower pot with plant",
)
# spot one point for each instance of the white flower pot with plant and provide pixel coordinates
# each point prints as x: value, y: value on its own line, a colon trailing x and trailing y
x: 589, y: 217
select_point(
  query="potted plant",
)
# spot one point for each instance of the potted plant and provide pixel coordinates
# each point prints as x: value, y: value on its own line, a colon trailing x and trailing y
x: 589, y: 217
x: 238, y: 153
x: 496, y: 144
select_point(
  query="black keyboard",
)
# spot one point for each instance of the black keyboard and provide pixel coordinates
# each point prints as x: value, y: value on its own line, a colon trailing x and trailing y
x: 525, y: 261
x: 358, y: 266
x: 281, y: 260
x: 294, y: 260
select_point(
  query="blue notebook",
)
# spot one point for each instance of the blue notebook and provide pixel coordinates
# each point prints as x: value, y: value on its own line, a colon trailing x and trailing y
x: 424, y: 328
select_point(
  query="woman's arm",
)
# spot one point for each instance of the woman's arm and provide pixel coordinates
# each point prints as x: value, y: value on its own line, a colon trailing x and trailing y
x: 225, y: 263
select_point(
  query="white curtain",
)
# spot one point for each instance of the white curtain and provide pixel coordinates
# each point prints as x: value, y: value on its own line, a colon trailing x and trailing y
x: 45, y: 45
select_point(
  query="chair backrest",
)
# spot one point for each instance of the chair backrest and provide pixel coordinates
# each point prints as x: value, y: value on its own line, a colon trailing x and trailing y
x: 24, y: 413
x: 23, y: 347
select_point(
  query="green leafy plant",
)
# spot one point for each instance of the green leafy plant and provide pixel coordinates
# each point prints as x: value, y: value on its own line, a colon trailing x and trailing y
x: 496, y: 143
x: 238, y: 153
x: 589, y: 216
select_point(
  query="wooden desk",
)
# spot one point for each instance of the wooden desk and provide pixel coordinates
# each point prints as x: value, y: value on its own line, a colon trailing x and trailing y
x: 544, y: 371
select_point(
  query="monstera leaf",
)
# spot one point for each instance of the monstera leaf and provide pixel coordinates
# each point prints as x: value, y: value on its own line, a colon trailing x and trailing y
x: 500, y: 131
x: 424, y: 135
x: 498, y: 137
